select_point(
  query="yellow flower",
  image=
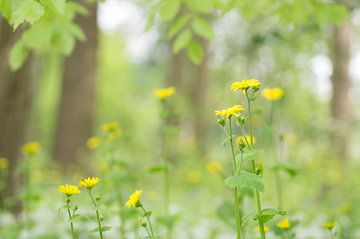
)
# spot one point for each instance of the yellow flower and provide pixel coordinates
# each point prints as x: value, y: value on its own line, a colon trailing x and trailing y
x: 266, y: 228
x: 329, y: 225
x: 244, y: 139
x: 113, y: 135
x: 69, y: 189
x: 89, y: 182
x: 214, y: 167
x: 4, y: 163
x: 134, y: 199
x: 273, y: 94
x: 284, y: 224
x: 345, y: 208
x: 193, y: 177
x: 93, y: 143
x: 164, y: 93
x: 110, y: 127
x: 244, y: 85
x: 31, y: 148
x: 228, y: 112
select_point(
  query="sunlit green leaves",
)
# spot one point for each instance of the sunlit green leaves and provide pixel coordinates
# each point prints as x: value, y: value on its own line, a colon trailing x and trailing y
x: 169, y: 9
x: 18, y: 55
x: 182, y: 41
x: 200, y: 6
x: 266, y: 215
x: 245, y: 179
x: 178, y: 25
x: 203, y: 28
x: 195, y: 52
x: 27, y: 11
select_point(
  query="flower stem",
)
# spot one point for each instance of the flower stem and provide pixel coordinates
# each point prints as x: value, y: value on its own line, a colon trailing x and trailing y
x: 148, y: 220
x: 236, y: 198
x: 257, y: 194
x: 165, y: 160
x: 97, y: 214
x: 70, y: 218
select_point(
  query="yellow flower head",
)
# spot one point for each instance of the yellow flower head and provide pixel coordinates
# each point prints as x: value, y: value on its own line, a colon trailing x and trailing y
x: 273, y: 94
x: 113, y: 135
x: 31, y: 148
x: 284, y: 224
x: 193, y: 177
x: 244, y: 85
x: 329, y: 225
x: 214, y: 167
x: 345, y: 208
x: 93, y: 143
x: 110, y: 127
x: 134, y: 199
x: 89, y: 182
x: 164, y: 93
x: 266, y: 228
x: 244, y: 139
x: 4, y: 163
x: 69, y: 190
x: 228, y: 112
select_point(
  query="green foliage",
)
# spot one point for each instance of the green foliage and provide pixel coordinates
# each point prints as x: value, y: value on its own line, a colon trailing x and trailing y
x: 195, y: 52
x: 245, y: 179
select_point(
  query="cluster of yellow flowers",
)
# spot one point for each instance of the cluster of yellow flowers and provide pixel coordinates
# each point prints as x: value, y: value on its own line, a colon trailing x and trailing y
x: 112, y: 132
x: 231, y: 111
x: 134, y: 199
x: 93, y: 143
x: 329, y: 225
x: 31, y: 148
x: 244, y: 85
x: 88, y: 183
x: 245, y: 139
x: 284, y: 224
x: 164, y: 93
x: 4, y: 163
x: 273, y: 94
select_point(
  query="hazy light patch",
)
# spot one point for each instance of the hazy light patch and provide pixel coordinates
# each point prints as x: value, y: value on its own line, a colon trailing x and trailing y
x: 322, y: 68
x: 128, y: 19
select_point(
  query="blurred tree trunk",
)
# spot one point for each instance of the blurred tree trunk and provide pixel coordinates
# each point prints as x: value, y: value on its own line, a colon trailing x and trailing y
x: 77, y: 105
x: 15, y: 102
x: 340, y: 103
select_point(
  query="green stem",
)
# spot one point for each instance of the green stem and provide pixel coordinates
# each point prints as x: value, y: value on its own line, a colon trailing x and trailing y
x: 166, y: 163
x: 288, y: 234
x: 236, y: 198
x: 97, y: 214
x: 148, y: 220
x: 258, y: 199
x: 331, y: 235
x: 70, y: 217
x: 278, y: 187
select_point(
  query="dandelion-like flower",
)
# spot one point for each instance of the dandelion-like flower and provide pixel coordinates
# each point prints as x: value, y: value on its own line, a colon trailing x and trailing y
x: 228, y: 112
x: 4, y: 163
x: 244, y: 85
x: 93, y: 143
x: 69, y: 190
x: 214, y: 167
x: 31, y: 148
x: 113, y: 135
x: 284, y: 224
x: 164, y: 93
x: 89, y: 182
x: 273, y: 94
x: 329, y: 225
x: 134, y: 199
x: 110, y: 127
x: 245, y: 138
x: 266, y: 228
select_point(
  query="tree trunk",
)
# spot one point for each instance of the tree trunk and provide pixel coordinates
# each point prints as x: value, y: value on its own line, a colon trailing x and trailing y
x: 15, y: 102
x: 77, y: 105
x: 340, y: 103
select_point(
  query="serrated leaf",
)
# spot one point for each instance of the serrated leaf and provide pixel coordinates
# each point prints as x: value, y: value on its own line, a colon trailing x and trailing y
x: 29, y: 11
x: 169, y: 9
x: 18, y: 55
x: 105, y: 228
x: 195, y: 52
x: 182, y: 41
x: 245, y: 180
x: 177, y: 26
x: 200, y: 6
x: 203, y: 28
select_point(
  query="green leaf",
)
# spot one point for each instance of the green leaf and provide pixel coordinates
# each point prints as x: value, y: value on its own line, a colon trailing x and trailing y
x: 178, y: 25
x: 248, y: 156
x: 157, y: 169
x: 200, y: 6
x: 59, y: 5
x: 5, y: 9
x: 105, y: 228
x: 245, y: 180
x: 150, y: 21
x: 29, y: 11
x: 195, y: 52
x: 169, y: 9
x: 203, y: 28
x: 147, y: 214
x: 18, y: 55
x: 266, y: 214
x: 182, y: 41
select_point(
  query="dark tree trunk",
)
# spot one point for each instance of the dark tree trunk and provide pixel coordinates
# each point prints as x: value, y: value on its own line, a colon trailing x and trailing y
x: 77, y: 105
x: 340, y: 103
x: 15, y: 102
